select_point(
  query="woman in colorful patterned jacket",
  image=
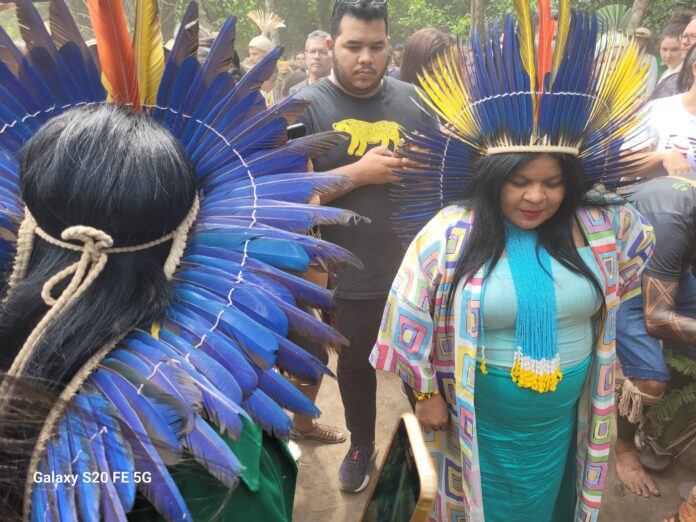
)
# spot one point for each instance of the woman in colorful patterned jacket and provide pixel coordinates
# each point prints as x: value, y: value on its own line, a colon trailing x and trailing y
x: 501, y: 318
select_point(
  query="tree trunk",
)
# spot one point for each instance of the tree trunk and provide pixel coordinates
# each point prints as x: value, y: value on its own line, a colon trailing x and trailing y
x: 637, y: 13
x: 324, y: 14
x: 478, y: 12
x: 270, y: 7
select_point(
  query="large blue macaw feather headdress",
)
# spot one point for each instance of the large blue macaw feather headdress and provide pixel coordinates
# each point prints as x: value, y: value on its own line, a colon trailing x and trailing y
x: 143, y: 402
x: 575, y: 90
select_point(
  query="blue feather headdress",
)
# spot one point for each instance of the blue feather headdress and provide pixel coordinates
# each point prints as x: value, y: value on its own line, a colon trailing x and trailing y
x: 578, y: 91
x: 216, y: 355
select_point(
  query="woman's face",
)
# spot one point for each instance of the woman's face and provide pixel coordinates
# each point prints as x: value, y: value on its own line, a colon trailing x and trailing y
x: 670, y: 52
x: 533, y: 193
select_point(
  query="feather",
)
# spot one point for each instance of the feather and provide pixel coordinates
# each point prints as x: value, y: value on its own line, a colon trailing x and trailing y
x: 218, y: 346
x: 162, y: 492
x: 84, y: 462
x: 111, y: 505
x: 208, y: 367
x: 268, y: 414
x: 149, y: 50
x: 9, y: 54
x: 562, y: 25
x: 266, y: 21
x: 43, y: 506
x: 295, y: 361
x: 115, y: 50
x: 64, y: 31
x: 526, y: 42
x: 546, y: 31
x: 163, y: 416
x: 286, y: 394
x: 58, y: 457
x: 118, y: 456
x: 258, y: 343
x: 211, y: 452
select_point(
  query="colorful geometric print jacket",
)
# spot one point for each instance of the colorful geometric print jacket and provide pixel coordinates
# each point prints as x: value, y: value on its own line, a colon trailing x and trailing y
x: 429, y: 352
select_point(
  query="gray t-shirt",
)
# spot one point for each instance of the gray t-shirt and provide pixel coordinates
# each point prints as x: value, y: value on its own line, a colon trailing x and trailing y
x: 378, y: 120
x: 669, y: 204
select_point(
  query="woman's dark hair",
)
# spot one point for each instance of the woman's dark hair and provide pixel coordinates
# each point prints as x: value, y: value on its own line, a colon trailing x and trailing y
x: 672, y: 31
x: 686, y: 75
x: 486, y: 241
x: 421, y: 48
x: 110, y: 168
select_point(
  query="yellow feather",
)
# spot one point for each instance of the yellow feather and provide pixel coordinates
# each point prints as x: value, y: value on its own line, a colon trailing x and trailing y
x: 526, y: 40
x: 149, y: 50
x: 562, y: 28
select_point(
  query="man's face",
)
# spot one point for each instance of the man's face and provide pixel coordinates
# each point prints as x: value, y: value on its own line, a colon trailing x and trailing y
x: 300, y: 59
x: 670, y: 52
x: 360, y: 54
x: 688, y: 38
x: 398, y: 53
x: 255, y: 55
x: 318, y: 58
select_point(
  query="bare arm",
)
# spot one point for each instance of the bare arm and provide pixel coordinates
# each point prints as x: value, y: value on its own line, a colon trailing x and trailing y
x: 661, y: 319
x: 674, y: 163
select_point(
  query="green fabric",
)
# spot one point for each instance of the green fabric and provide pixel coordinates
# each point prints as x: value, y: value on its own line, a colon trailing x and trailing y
x: 526, y: 447
x: 266, y: 491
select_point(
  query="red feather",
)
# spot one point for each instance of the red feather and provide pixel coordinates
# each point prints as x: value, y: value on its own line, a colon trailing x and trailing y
x: 544, y: 51
x: 115, y: 50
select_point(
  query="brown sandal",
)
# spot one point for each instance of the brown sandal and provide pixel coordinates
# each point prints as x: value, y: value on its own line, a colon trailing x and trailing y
x: 326, y: 433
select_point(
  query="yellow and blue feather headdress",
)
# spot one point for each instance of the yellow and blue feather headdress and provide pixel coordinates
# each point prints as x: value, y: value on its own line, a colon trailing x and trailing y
x: 573, y: 92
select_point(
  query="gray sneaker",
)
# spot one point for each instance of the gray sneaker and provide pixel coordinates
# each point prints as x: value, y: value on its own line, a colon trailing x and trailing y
x: 352, y: 475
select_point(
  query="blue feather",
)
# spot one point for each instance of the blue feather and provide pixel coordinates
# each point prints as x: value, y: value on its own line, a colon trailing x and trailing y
x: 285, y: 394
x: 257, y: 341
x: 297, y: 362
x: 58, y: 457
x: 268, y: 414
x: 111, y: 506
x: 84, y: 462
x: 216, y: 345
x: 43, y: 508
x: 184, y: 76
x: 117, y: 451
x: 161, y: 491
x: 211, y: 452
x: 161, y: 418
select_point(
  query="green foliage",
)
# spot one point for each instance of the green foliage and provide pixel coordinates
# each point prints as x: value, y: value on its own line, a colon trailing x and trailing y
x: 615, y: 16
x: 683, y: 364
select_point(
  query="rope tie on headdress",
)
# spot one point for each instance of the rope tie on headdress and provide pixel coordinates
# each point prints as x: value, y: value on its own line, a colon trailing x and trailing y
x: 96, y: 248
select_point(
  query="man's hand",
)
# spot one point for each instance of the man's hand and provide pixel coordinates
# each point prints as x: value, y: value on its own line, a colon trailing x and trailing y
x: 674, y: 163
x: 432, y: 413
x: 376, y: 167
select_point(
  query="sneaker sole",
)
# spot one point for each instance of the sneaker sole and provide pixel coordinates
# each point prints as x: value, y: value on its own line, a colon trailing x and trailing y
x: 367, y: 476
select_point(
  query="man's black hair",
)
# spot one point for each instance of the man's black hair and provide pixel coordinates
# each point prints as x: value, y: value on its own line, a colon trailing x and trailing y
x: 366, y: 10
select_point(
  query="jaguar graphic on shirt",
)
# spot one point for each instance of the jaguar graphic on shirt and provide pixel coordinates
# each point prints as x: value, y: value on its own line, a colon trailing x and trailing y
x: 364, y: 133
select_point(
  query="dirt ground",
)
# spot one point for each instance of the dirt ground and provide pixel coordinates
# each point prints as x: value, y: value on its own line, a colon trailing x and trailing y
x: 318, y: 498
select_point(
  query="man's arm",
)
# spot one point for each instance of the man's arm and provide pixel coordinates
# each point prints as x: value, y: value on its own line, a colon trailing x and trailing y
x: 376, y: 167
x: 671, y: 161
x: 661, y: 319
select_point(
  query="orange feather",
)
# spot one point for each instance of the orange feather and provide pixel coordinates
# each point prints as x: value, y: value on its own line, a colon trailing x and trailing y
x: 544, y: 51
x: 115, y: 51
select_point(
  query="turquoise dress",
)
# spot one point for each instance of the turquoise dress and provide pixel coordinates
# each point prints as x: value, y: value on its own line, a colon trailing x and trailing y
x: 526, y: 439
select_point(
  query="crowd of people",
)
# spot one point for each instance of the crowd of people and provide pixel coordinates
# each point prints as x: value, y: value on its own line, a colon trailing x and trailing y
x: 508, y: 224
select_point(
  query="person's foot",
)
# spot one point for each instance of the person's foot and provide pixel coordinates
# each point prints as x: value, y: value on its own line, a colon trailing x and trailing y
x: 352, y: 476
x: 630, y: 471
x: 320, y: 432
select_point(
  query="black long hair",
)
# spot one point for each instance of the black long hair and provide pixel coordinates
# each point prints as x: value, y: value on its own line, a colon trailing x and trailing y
x: 486, y: 241
x: 110, y: 168
x: 686, y: 76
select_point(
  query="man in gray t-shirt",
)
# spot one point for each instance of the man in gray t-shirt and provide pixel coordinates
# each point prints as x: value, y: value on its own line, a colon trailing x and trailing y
x: 374, y: 110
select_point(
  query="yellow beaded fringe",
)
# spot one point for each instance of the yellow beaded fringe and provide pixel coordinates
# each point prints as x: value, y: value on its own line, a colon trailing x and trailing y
x: 537, y: 379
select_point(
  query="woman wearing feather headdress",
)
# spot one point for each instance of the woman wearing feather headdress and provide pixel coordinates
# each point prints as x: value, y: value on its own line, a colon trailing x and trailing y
x: 501, y: 318
x: 151, y: 227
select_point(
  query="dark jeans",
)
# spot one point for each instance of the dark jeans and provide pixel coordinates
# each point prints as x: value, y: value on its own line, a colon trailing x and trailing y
x: 358, y: 321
